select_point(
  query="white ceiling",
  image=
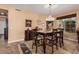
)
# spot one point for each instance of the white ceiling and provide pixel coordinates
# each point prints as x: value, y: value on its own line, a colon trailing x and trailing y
x: 42, y: 8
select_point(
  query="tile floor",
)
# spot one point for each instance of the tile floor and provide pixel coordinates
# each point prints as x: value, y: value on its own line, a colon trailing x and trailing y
x: 7, y: 49
x: 70, y: 47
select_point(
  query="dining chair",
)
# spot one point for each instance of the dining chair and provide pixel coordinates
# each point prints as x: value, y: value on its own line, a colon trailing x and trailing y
x: 37, y: 40
x: 52, y: 40
x: 55, y: 42
x: 59, y: 36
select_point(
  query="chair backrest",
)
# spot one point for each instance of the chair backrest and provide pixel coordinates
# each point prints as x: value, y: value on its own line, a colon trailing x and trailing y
x: 34, y: 36
x: 54, y: 30
x: 59, y: 34
x: 34, y: 31
x: 54, y: 33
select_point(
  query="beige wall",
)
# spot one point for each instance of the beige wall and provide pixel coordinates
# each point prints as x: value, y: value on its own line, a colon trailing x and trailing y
x: 77, y: 22
x: 16, y: 20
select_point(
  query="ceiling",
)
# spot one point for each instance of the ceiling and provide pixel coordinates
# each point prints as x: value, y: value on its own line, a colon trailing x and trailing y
x: 44, y: 10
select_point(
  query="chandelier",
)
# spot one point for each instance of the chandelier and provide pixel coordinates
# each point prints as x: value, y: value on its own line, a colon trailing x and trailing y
x: 50, y: 18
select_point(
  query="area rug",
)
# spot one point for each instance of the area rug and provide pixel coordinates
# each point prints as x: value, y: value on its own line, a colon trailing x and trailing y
x: 24, y: 49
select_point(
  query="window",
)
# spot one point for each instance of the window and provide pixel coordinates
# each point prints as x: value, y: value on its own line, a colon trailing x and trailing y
x: 68, y: 23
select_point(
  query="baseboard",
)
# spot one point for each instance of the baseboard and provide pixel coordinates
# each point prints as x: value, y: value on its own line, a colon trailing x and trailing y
x: 20, y: 40
x: 71, y: 39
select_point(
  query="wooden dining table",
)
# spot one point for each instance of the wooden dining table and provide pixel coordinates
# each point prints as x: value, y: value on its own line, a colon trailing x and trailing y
x: 44, y: 33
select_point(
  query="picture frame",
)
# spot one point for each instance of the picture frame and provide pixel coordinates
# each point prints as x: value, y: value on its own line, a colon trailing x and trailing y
x: 49, y: 25
x: 28, y: 23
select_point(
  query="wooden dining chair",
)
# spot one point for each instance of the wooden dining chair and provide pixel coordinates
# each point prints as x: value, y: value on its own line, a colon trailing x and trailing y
x: 37, y: 40
x: 55, y: 42
x: 52, y: 40
x: 59, y: 36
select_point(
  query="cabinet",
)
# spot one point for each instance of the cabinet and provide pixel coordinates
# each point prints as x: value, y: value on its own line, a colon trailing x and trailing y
x: 28, y: 35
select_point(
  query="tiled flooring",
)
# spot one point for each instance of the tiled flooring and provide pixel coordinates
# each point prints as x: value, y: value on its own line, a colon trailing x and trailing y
x: 71, y: 36
x: 7, y: 49
x: 70, y: 47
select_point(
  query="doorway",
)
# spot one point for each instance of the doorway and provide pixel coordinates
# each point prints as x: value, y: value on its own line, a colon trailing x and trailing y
x: 3, y: 26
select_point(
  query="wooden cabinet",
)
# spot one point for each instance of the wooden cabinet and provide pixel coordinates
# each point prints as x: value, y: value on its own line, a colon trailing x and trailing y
x: 28, y: 35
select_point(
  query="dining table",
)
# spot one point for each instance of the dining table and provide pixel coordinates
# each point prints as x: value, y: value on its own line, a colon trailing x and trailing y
x: 44, y: 33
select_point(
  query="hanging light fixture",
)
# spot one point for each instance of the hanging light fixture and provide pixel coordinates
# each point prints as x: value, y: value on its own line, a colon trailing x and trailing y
x: 50, y: 18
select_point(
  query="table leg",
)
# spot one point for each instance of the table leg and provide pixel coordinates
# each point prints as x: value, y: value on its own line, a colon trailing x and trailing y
x: 44, y: 44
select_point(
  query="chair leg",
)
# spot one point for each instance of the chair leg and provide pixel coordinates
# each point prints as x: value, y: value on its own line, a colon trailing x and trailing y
x: 60, y: 45
x: 57, y: 44
x: 52, y: 46
x: 32, y: 45
x: 41, y: 41
x: 62, y: 42
x: 52, y: 50
x: 36, y: 48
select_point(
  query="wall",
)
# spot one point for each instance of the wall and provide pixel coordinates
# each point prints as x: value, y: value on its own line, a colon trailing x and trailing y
x: 15, y: 24
x: 77, y: 22
x: 16, y: 20
x: 34, y: 17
